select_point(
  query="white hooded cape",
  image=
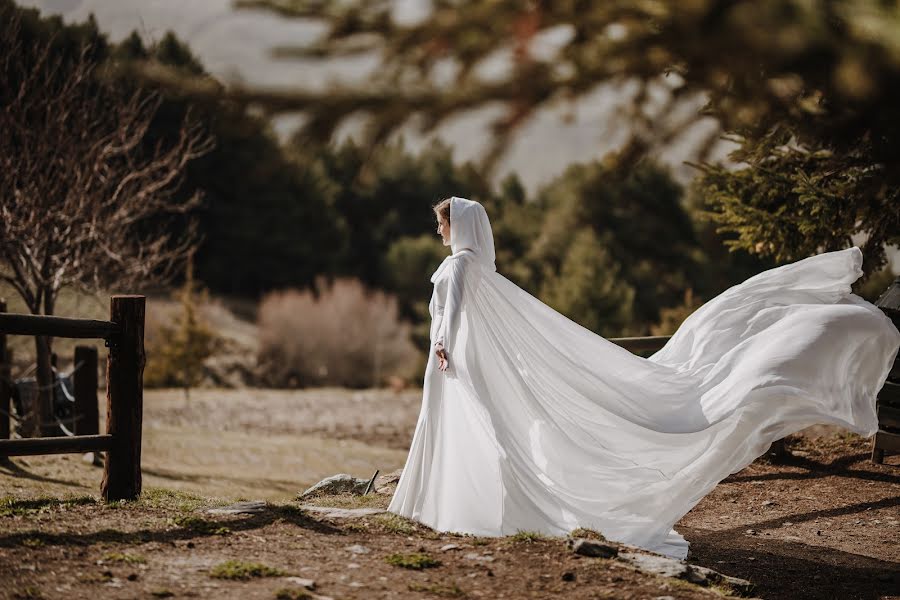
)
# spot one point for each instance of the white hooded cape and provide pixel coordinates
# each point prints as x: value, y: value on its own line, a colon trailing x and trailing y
x: 540, y: 424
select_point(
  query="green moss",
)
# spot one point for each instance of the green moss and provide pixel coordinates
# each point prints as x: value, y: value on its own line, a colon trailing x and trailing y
x: 122, y: 557
x: 527, y: 537
x: 198, y: 525
x: 586, y: 532
x: 416, y: 560
x: 236, y: 569
x: 396, y: 524
x: 32, y: 542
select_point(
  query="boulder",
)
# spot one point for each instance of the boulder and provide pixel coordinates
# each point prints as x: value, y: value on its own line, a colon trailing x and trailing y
x: 342, y: 483
x: 671, y: 567
x: 586, y: 547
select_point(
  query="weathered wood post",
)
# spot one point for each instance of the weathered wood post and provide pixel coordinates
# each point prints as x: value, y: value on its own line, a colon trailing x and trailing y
x: 888, y: 400
x: 5, y: 382
x: 87, y: 416
x: 124, y: 399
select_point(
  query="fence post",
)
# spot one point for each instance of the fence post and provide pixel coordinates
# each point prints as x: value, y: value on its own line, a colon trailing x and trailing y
x: 124, y: 399
x: 5, y: 382
x: 87, y: 416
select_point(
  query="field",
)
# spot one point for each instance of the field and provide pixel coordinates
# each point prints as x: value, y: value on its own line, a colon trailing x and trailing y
x: 822, y: 524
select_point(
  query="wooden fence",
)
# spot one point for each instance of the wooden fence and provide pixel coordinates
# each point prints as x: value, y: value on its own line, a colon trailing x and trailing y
x: 124, y: 335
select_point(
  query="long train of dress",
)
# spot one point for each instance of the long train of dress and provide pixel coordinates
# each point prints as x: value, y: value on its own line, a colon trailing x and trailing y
x: 543, y: 425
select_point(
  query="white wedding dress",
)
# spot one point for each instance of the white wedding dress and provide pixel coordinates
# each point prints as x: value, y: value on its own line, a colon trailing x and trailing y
x: 540, y: 424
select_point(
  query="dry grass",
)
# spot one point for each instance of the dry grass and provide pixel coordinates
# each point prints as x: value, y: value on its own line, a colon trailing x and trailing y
x: 344, y: 335
x: 227, y: 444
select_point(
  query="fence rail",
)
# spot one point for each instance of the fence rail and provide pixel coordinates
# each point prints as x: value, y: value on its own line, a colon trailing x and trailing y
x: 124, y: 334
x: 57, y: 445
x: 18, y: 324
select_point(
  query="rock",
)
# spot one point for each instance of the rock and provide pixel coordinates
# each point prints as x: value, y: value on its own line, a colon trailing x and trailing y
x: 341, y: 513
x: 659, y: 565
x: 670, y: 567
x: 240, y: 508
x: 586, y: 547
x: 342, y: 483
x: 568, y: 576
x: 357, y: 549
x: 449, y: 547
x: 478, y: 557
x: 769, y: 503
x: 302, y: 582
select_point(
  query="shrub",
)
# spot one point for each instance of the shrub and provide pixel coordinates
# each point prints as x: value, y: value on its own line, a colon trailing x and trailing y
x: 339, y: 334
x: 235, y: 569
x: 175, y: 357
x: 416, y: 560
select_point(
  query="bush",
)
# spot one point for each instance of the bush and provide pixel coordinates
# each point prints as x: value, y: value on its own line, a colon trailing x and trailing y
x: 176, y: 354
x: 342, y: 334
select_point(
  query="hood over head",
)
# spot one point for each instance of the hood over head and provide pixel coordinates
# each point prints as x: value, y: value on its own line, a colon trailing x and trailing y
x: 470, y: 229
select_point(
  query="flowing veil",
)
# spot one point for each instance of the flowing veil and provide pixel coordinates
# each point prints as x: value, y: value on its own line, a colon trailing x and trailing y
x: 572, y: 430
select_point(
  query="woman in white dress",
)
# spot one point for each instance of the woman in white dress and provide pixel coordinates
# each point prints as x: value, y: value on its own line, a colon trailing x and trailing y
x: 531, y: 422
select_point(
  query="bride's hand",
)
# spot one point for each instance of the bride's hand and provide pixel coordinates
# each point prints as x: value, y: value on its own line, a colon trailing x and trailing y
x: 443, y: 362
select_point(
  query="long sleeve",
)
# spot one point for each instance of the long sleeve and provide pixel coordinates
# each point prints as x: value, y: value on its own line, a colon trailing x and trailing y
x: 450, y: 319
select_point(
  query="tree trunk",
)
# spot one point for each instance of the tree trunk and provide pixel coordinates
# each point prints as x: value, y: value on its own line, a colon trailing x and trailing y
x: 45, y: 423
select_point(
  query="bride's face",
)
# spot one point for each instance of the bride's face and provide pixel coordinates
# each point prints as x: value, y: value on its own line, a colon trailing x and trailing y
x: 443, y: 230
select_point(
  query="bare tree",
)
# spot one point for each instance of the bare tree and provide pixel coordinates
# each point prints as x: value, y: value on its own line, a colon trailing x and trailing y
x: 85, y: 198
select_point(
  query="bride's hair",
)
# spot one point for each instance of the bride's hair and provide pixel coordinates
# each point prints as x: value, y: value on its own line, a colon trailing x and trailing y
x: 442, y: 209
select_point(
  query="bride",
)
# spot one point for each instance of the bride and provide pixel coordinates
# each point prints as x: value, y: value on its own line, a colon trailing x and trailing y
x: 531, y: 422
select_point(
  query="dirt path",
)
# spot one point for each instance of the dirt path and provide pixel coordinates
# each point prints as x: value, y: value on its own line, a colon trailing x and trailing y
x: 824, y: 524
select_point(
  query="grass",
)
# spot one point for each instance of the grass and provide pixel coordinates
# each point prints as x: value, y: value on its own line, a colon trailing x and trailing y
x: 199, y: 525
x: 11, y: 507
x: 396, y: 524
x: 29, y: 593
x: 123, y: 557
x: 416, y: 560
x: 351, y: 501
x: 586, y: 532
x: 244, y: 571
x: 528, y: 537
x: 103, y: 577
x: 176, y: 501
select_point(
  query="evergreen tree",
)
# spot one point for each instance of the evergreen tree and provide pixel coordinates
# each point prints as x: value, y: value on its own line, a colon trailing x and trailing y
x: 590, y: 289
x: 820, y: 78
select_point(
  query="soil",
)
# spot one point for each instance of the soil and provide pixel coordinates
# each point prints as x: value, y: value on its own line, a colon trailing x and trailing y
x: 822, y: 523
